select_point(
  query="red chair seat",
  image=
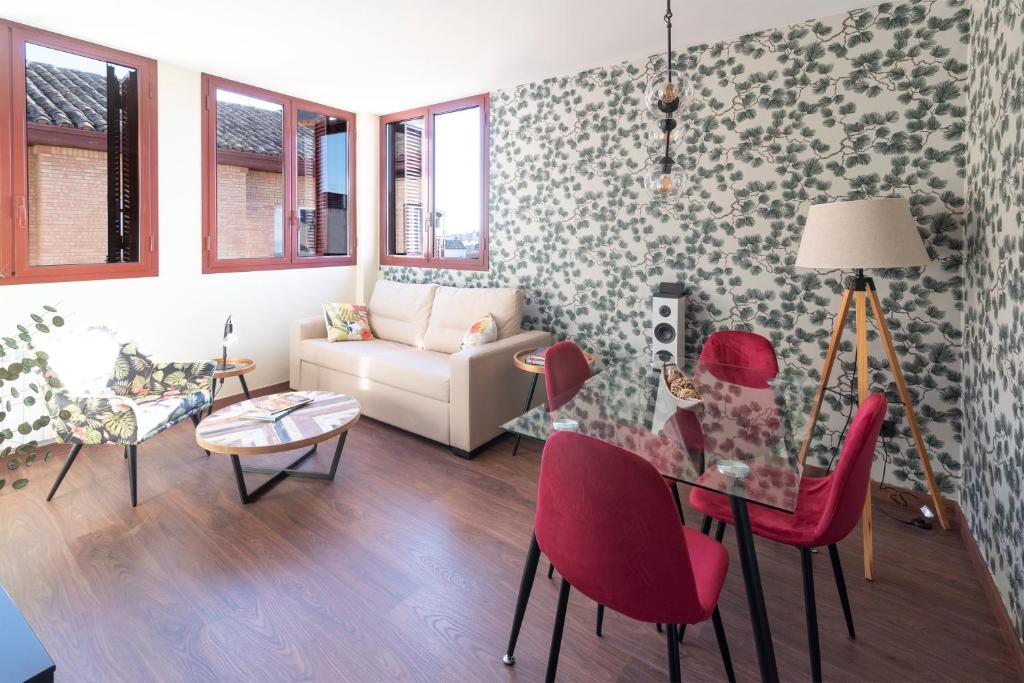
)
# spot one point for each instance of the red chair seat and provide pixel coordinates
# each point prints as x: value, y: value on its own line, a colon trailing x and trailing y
x: 799, y: 528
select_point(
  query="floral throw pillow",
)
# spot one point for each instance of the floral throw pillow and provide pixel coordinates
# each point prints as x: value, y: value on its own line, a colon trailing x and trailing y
x: 483, y: 331
x: 347, y: 322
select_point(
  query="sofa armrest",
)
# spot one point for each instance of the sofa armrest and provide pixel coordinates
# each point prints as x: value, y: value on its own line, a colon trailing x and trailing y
x: 313, y: 327
x: 487, y: 389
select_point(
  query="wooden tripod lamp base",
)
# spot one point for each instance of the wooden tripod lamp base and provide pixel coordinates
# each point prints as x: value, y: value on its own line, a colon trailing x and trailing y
x: 861, y: 292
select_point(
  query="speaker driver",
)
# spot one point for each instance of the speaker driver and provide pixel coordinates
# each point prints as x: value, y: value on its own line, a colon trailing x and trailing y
x: 664, y: 333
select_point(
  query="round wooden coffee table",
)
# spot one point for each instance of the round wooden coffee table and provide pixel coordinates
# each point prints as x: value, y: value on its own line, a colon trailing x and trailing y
x: 519, y: 360
x: 329, y: 415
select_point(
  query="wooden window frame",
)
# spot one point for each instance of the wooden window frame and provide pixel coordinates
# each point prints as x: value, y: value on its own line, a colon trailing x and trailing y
x: 290, y: 106
x: 428, y: 259
x: 15, y: 134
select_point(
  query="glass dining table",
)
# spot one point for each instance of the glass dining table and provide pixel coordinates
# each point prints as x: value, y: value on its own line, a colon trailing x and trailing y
x: 740, y: 438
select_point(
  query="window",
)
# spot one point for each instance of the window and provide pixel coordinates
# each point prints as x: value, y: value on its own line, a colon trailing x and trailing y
x: 278, y: 181
x: 434, y: 177
x: 79, y: 160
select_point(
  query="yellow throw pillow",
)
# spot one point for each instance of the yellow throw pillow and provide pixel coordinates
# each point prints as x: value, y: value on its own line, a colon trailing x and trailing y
x: 483, y: 331
x: 347, y: 322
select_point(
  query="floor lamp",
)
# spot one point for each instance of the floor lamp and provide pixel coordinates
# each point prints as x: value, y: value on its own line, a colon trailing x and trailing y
x: 854, y: 235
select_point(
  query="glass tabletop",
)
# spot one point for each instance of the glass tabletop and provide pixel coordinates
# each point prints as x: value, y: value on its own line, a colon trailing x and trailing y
x: 741, y: 437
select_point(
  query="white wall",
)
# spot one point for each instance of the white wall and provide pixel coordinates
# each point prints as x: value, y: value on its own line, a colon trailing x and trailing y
x: 180, y: 314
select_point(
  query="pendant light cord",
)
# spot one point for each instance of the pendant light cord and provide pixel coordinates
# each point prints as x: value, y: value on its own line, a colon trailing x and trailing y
x: 668, y: 29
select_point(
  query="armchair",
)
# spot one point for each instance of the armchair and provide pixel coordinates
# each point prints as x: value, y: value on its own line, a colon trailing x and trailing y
x: 138, y: 399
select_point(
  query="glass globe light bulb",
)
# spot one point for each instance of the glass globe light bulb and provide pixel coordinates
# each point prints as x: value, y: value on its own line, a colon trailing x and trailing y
x: 665, y: 185
x: 664, y: 97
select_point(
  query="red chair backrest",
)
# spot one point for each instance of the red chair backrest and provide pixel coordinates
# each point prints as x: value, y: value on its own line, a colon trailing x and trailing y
x: 746, y: 358
x: 565, y: 371
x: 607, y: 522
x: 852, y: 475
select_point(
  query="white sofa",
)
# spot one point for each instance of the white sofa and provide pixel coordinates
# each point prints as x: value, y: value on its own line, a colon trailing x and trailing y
x: 413, y: 374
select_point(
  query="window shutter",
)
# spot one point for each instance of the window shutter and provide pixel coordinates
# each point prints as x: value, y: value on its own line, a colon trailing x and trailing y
x: 122, y: 120
x: 320, y: 172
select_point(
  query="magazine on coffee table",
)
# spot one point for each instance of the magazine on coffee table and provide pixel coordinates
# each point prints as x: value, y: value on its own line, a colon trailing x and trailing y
x: 273, y: 408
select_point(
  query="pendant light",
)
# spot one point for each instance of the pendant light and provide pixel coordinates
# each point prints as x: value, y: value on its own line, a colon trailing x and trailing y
x: 664, y: 97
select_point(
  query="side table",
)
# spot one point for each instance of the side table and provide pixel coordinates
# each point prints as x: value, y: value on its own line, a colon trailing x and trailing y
x: 234, y: 367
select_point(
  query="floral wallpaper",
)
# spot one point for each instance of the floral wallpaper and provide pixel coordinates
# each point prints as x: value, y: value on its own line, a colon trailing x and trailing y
x: 993, y: 442
x: 866, y: 103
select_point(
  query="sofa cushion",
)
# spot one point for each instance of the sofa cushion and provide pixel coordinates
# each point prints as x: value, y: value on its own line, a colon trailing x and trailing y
x: 417, y: 371
x: 399, y: 311
x: 456, y: 308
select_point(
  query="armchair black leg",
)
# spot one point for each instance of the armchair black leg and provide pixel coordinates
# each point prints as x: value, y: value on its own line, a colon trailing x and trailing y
x: 132, y: 473
x: 125, y: 452
x: 556, y: 635
x: 720, y: 531
x: 812, y: 614
x: 64, y: 470
x: 674, y: 673
x: 551, y: 570
x: 723, y: 645
x: 705, y: 525
x: 837, y: 569
x: 600, y: 619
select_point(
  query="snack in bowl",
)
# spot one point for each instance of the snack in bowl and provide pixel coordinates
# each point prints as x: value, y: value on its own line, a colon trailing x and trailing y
x: 680, y: 386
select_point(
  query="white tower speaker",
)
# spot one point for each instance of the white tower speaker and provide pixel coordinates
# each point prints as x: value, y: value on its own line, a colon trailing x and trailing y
x: 668, y: 326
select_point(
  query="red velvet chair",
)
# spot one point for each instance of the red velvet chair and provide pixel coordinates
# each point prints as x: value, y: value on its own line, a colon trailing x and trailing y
x: 607, y: 521
x: 747, y: 351
x: 827, y: 511
x: 565, y: 371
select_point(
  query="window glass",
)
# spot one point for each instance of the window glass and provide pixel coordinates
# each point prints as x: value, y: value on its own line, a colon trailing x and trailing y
x: 250, y: 177
x: 407, y: 188
x: 457, y: 180
x: 82, y: 133
x: 322, y: 184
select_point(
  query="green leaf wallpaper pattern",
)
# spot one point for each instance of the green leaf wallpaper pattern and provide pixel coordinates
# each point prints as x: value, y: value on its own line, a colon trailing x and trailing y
x: 993, y: 444
x: 867, y: 103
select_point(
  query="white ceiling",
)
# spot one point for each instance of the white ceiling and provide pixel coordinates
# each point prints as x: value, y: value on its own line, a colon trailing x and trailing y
x: 386, y: 55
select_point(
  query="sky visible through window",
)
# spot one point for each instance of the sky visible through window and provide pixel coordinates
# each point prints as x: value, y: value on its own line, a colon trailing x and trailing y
x: 67, y: 60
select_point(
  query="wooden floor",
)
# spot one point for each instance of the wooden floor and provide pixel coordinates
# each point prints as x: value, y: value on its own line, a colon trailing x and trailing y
x: 406, y: 567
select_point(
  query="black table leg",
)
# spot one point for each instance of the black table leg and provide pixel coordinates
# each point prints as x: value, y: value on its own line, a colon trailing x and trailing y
x: 755, y: 592
x: 525, y: 586
x: 529, y: 402
x: 245, y: 387
x: 279, y: 474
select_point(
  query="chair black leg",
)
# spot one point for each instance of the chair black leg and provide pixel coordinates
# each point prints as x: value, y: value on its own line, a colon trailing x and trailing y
x: 132, y: 473
x: 674, y: 674
x: 837, y: 569
x: 556, y: 635
x: 551, y: 570
x: 812, y: 613
x: 723, y: 645
x: 125, y: 452
x: 658, y: 626
x: 679, y: 502
x: 720, y: 531
x: 705, y: 525
x: 600, y: 618
x: 64, y: 470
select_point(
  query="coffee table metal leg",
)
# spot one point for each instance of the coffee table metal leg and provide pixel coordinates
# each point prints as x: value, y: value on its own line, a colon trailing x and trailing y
x: 525, y: 586
x: 279, y: 474
x: 245, y: 387
x: 529, y: 402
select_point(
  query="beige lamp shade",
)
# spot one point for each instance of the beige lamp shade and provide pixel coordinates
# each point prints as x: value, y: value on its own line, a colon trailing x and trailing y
x: 865, y: 233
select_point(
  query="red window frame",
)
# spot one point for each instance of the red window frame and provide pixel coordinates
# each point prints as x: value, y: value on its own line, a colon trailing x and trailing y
x: 290, y: 107
x: 428, y: 259
x: 14, y: 133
